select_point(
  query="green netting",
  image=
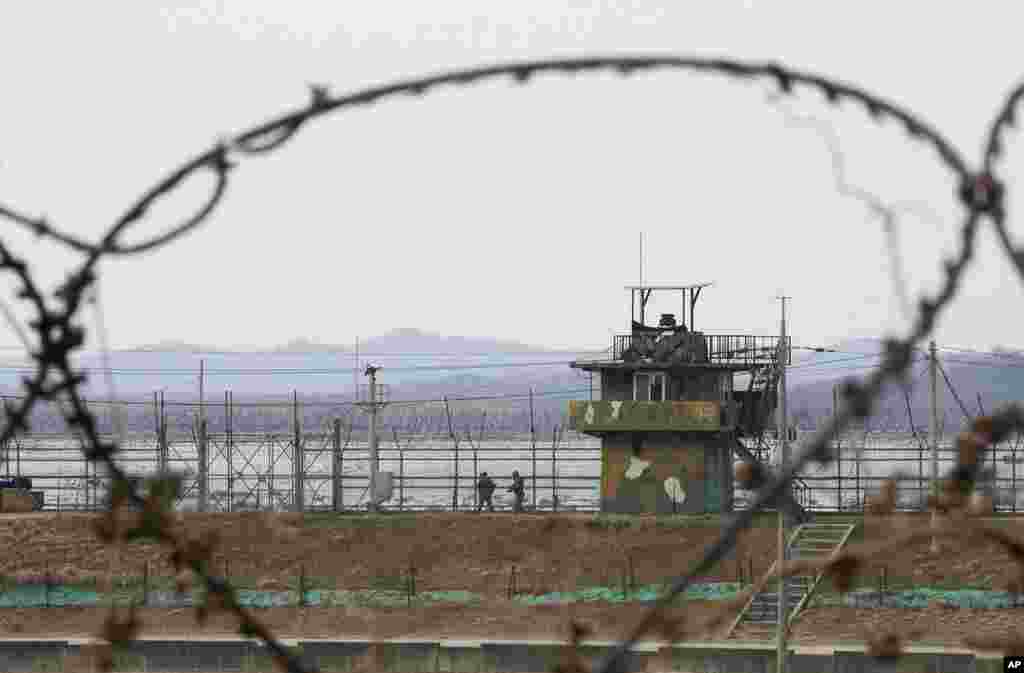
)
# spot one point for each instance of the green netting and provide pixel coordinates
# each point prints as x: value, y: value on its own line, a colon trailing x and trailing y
x: 707, y: 592
x: 922, y: 597
x: 38, y: 596
x: 35, y: 596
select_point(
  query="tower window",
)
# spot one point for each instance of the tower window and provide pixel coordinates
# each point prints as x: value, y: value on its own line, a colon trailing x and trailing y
x: 649, y: 387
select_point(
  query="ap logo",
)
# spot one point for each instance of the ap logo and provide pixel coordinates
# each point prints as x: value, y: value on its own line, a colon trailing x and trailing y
x: 1013, y: 664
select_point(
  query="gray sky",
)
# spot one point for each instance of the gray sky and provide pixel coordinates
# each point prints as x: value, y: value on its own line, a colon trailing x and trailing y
x: 495, y: 209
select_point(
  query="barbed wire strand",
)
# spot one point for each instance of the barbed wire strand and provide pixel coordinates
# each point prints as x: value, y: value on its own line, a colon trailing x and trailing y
x: 887, y: 213
x: 60, y: 335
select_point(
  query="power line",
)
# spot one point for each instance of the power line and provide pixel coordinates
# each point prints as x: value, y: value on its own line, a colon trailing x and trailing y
x: 338, y: 403
x: 134, y: 371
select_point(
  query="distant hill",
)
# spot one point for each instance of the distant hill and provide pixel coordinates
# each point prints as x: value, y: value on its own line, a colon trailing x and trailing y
x: 412, y: 340
x: 173, y: 346
x: 421, y: 365
x: 409, y: 340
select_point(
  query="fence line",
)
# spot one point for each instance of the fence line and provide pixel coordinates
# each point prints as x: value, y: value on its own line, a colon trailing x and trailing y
x: 261, y: 478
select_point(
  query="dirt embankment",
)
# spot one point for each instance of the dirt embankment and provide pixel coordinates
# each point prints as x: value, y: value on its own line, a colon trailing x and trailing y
x: 475, y: 553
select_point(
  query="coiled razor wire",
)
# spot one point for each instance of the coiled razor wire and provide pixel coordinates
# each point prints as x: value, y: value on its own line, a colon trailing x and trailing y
x: 59, y: 333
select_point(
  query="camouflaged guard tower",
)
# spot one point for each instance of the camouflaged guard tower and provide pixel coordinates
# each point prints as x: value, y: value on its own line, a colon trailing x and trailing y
x: 667, y: 412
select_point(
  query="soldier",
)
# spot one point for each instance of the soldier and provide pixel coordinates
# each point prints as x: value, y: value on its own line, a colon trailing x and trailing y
x: 486, y: 487
x: 518, y: 489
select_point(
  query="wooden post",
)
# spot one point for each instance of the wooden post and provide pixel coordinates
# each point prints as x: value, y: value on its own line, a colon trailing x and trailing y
x: 401, y: 477
x: 145, y: 583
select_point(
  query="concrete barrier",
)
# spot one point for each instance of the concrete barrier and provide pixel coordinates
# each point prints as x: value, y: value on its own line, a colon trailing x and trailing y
x: 492, y: 656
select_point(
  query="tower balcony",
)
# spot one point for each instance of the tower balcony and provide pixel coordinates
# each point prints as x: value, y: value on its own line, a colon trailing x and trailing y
x: 630, y: 415
x: 741, y: 351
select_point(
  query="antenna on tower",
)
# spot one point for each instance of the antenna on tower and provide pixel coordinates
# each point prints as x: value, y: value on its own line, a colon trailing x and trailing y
x: 641, y: 259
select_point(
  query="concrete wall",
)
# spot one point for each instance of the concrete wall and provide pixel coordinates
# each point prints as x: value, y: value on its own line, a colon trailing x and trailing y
x: 495, y: 656
x: 635, y: 480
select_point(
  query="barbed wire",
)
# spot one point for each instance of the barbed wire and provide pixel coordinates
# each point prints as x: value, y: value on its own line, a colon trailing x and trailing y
x: 59, y: 333
x: 888, y: 213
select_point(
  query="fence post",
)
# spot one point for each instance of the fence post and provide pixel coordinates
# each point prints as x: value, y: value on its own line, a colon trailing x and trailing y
x: 554, y: 470
x: 839, y: 480
x: 229, y: 444
x: 533, y: 452
x: 145, y: 583
x: 455, y: 440
x: 164, y: 451
x: 204, y: 494
x: 476, y: 476
x: 1013, y: 473
x: 401, y: 478
x: 298, y: 498
x: 336, y: 496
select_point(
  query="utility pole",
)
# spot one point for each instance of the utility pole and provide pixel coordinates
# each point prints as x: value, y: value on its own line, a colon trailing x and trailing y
x: 373, y: 404
x: 783, y: 433
x: 933, y: 435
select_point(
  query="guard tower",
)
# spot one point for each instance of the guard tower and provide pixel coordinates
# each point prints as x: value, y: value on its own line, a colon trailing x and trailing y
x: 667, y: 412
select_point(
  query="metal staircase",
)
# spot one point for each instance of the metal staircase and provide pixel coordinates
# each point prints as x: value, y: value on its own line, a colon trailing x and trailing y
x: 808, y: 541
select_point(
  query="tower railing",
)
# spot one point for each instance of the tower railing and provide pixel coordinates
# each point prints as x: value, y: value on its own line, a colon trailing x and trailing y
x: 726, y: 349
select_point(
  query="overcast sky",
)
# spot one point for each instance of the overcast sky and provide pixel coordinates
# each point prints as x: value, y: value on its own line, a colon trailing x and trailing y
x: 495, y: 209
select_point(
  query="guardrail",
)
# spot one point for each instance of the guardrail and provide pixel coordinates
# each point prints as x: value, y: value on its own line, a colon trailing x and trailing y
x: 725, y: 349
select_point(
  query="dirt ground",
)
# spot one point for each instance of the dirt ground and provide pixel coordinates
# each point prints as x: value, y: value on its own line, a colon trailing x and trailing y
x: 475, y: 553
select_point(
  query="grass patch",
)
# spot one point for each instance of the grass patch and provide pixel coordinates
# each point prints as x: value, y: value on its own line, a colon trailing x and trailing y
x: 47, y: 665
x: 621, y: 521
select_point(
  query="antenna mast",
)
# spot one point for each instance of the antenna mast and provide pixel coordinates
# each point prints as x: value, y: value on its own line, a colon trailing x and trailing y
x: 641, y: 259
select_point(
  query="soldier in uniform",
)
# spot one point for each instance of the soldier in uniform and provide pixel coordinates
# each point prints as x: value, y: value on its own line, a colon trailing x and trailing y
x: 486, y: 487
x: 518, y: 489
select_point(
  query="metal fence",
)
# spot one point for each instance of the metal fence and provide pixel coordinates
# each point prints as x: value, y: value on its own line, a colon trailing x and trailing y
x: 429, y: 473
